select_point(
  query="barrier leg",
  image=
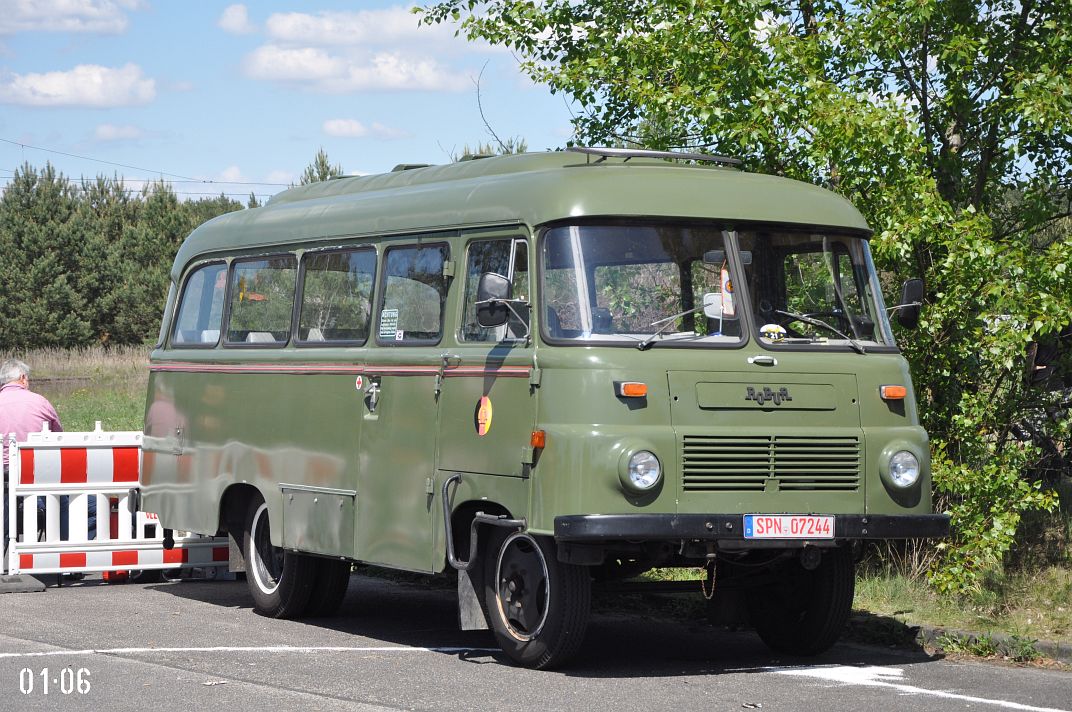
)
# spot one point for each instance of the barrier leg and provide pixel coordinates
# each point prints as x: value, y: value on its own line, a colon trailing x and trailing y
x: 78, y: 517
x: 99, y: 521
x: 125, y: 521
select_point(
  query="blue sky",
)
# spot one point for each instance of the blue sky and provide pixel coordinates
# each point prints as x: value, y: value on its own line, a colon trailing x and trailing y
x: 244, y: 95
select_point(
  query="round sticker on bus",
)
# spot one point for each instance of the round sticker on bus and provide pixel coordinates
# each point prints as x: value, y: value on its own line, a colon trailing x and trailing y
x: 483, y: 416
x: 359, y: 383
x: 774, y: 332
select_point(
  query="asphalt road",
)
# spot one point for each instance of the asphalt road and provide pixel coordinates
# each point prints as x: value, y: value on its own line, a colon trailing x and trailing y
x: 197, y: 645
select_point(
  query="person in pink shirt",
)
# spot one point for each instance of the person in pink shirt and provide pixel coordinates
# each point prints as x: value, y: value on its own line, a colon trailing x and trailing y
x: 22, y: 412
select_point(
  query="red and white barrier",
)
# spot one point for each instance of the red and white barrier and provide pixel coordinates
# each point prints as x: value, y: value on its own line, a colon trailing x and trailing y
x: 100, y: 465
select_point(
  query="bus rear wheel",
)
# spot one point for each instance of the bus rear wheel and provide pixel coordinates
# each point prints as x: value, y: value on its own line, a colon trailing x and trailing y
x: 280, y: 581
x: 332, y: 578
x: 537, y: 606
x: 805, y: 611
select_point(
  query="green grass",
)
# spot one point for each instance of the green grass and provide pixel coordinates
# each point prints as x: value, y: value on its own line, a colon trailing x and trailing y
x: 87, y: 385
x: 1035, y: 605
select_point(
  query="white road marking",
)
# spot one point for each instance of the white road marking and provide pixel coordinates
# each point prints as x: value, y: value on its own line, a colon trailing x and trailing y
x: 890, y: 677
x: 250, y: 649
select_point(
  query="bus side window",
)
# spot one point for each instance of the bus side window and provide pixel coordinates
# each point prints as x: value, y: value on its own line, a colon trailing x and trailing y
x: 414, y: 293
x: 495, y: 256
x: 262, y: 299
x: 336, y: 296
x: 197, y: 321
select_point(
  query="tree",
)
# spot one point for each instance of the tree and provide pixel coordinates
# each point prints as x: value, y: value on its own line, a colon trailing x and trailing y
x: 508, y: 147
x: 320, y: 169
x: 39, y: 298
x: 947, y: 122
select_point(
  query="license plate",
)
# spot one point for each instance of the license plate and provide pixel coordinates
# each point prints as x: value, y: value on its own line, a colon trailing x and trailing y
x: 788, y: 526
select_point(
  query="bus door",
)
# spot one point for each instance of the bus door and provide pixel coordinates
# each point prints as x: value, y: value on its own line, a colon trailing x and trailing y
x: 486, y: 408
x: 397, y: 440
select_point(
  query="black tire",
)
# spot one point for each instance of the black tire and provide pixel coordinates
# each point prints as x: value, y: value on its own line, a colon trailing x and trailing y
x: 331, y: 578
x: 806, y: 611
x: 280, y: 581
x: 537, y: 606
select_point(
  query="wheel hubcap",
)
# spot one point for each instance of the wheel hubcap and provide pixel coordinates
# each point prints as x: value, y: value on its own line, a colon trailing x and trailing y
x: 522, y: 586
x: 267, y: 563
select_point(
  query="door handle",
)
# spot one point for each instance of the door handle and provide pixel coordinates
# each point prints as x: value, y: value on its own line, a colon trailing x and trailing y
x: 372, y: 396
x: 444, y: 361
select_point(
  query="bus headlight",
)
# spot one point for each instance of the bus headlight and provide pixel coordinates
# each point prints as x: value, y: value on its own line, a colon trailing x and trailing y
x: 642, y: 472
x: 904, y: 469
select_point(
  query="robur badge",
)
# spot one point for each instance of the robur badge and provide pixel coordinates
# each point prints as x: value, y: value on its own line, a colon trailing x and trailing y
x: 767, y: 395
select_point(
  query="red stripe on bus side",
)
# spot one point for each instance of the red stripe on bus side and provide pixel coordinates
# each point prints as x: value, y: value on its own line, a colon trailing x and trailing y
x: 449, y: 372
x: 73, y: 466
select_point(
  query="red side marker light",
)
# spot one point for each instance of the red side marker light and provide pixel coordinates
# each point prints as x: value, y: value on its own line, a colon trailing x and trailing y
x: 630, y: 389
x: 538, y: 439
x: 893, y: 392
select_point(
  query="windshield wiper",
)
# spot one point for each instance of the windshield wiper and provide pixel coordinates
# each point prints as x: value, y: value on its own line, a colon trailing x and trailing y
x: 856, y: 345
x: 669, y: 320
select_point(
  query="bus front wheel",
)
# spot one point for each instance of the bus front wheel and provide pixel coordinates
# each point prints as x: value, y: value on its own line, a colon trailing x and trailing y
x: 280, y: 581
x: 805, y: 612
x: 538, y: 607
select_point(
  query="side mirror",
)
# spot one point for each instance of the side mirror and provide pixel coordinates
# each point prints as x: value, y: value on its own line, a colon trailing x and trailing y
x: 712, y: 305
x: 717, y: 257
x: 492, y: 292
x: 911, y: 301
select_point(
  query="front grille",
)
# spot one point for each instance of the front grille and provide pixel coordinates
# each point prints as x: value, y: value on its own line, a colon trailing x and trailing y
x: 714, y: 463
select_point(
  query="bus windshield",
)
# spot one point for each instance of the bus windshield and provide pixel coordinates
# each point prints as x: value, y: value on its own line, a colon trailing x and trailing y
x: 648, y: 285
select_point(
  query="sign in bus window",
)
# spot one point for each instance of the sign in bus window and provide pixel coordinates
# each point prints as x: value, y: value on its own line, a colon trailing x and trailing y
x: 201, y: 307
x: 262, y: 299
x: 336, y: 296
x: 413, y: 295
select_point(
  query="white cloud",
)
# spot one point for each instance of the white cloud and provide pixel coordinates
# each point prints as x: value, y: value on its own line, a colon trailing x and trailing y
x: 389, y: 26
x: 341, y: 52
x: 87, y: 85
x: 231, y: 174
x: 351, y: 128
x: 111, y: 132
x: 96, y: 16
x: 281, y: 177
x: 281, y: 64
x: 345, y: 128
x: 321, y: 71
x: 235, y: 19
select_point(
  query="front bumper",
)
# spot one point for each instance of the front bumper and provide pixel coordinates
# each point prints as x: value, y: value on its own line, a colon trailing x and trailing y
x: 595, y: 528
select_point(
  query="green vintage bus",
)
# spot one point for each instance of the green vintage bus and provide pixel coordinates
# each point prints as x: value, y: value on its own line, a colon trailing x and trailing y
x: 547, y: 371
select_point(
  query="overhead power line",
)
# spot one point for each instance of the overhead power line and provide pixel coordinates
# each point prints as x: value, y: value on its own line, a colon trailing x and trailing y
x: 135, y: 168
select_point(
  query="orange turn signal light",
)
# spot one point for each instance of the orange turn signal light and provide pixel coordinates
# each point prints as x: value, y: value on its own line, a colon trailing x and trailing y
x: 893, y: 392
x: 538, y: 439
x: 630, y: 389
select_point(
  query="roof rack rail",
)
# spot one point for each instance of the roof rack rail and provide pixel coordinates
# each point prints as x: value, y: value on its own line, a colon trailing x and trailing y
x: 627, y: 153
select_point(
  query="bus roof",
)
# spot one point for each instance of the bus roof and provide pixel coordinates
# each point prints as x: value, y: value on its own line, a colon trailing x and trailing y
x: 531, y: 189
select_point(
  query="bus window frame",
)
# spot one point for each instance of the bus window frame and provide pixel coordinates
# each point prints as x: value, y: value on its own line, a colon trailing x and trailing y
x: 223, y: 342
x: 299, y: 294
x: 181, y: 299
x: 514, y: 239
x: 381, y: 294
x: 538, y: 307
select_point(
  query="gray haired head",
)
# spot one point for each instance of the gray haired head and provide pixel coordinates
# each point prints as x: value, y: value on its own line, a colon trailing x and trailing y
x: 13, y: 370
